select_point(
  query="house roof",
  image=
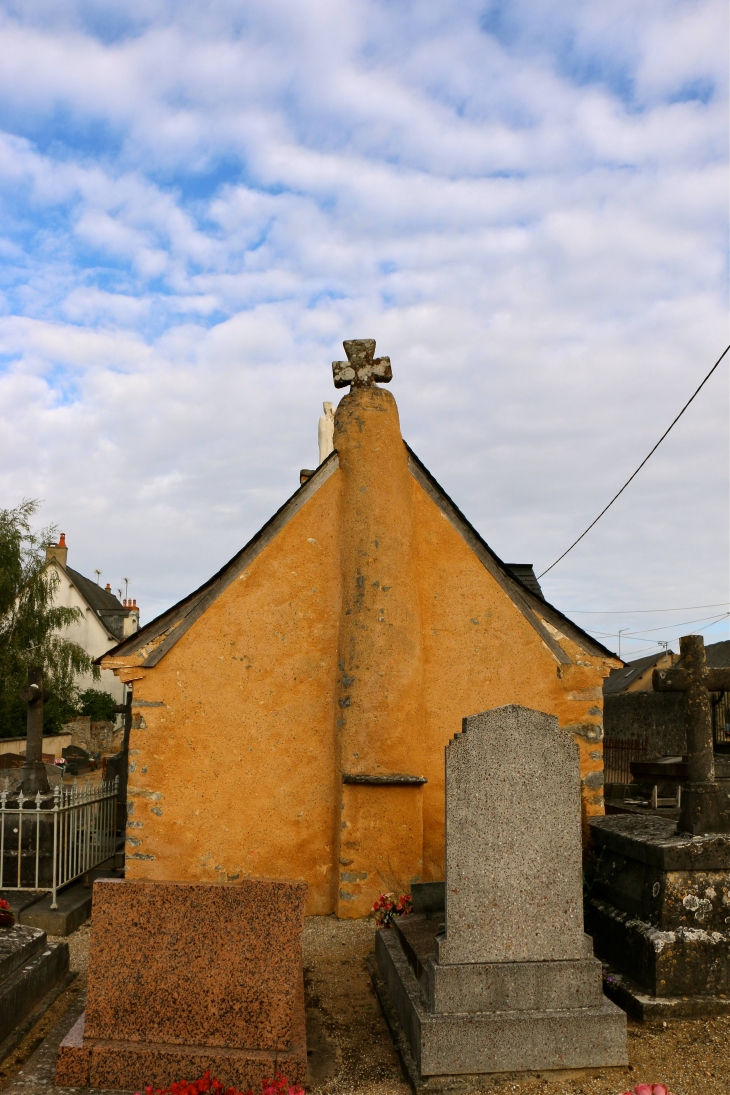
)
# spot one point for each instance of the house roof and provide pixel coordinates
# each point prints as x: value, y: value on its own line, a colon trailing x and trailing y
x: 525, y: 573
x: 620, y: 679
x: 96, y: 596
x: 105, y: 605
x: 150, y: 643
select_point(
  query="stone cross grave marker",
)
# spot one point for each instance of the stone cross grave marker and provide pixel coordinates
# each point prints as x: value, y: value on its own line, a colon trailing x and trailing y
x: 35, y: 777
x: 361, y: 369
x: 705, y: 806
x: 513, y: 841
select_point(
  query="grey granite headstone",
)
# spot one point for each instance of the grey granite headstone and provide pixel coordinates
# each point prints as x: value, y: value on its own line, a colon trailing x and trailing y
x: 513, y: 841
x: 512, y: 984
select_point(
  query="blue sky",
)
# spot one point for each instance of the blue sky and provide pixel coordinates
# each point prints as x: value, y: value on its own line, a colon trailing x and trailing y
x: 524, y: 203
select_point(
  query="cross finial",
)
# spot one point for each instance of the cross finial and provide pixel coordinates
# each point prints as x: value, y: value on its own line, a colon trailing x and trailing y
x: 361, y: 369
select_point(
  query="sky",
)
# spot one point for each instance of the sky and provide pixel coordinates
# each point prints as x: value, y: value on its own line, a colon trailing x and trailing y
x: 524, y: 203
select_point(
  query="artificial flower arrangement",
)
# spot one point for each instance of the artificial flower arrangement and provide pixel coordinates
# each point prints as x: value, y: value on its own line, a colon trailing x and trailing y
x: 388, y: 906
x: 7, y: 919
x: 278, y: 1086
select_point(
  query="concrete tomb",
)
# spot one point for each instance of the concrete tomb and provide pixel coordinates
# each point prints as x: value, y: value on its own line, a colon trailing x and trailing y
x: 509, y: 982
x: 659, y: 904
x: 30, y: 968
x: 188, y: 976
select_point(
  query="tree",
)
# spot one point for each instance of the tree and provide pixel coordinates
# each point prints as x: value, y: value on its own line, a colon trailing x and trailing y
x: 30, y: 626
x: 100, y: 706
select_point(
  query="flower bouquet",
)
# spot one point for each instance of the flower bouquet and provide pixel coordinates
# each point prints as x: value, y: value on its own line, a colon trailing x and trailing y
x: 7, y: 919
x: 388, y: 906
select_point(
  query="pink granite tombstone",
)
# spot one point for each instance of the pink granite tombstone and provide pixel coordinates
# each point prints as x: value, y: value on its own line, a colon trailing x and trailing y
x: 186, y: 976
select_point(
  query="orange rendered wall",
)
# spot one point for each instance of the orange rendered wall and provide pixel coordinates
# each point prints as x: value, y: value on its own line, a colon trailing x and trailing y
x: 235, y: 774
x: 480, y: 652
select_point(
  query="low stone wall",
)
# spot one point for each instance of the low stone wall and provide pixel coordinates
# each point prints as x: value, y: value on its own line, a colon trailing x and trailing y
x: 95, y: 737
x: 52, y: 743
x: 657, y: 717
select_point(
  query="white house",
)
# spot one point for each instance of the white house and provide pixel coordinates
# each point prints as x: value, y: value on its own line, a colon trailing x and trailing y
x: 105, y: 619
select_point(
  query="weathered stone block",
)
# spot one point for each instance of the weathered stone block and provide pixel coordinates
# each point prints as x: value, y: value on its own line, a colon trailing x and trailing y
x: 659, y: 913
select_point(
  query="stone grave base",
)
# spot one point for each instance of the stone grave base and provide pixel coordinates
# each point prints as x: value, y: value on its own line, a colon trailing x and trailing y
x: 129, y: 1066
x: 639, y: 1004
x: 30, y: 967
x: 450, y: 1051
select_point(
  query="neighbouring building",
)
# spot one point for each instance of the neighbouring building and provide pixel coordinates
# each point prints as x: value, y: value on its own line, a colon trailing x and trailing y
x: 636, y: 676
x: 105, y: 622
x: 640, y: 724
x: 291, y: 714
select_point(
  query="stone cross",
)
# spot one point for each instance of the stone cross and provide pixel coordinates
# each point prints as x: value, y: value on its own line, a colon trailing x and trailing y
x: 361, y: 369
x: 34, y: 776
x: 705, y: 806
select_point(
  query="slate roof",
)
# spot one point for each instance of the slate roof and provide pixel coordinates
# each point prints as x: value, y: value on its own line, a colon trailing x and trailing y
x: 620, y: 679
x: 158, y: 636
x: 525, y: 573
x: 107, y: 607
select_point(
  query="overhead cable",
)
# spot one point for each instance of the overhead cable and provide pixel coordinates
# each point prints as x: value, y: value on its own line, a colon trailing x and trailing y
x: 641, y: 465
x: 637, y: 611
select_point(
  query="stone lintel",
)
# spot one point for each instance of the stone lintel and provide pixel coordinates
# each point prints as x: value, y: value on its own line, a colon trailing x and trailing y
x: 655, y: 841
x: 384, y: 780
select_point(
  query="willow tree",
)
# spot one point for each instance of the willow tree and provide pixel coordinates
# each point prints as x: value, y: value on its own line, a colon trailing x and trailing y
x: 31, y: 625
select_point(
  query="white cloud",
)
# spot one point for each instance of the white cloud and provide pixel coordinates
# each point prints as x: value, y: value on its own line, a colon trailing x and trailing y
x: 525, y: 205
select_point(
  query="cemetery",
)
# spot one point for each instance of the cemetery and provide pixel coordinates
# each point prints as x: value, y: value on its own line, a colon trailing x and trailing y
x: 527, y: 941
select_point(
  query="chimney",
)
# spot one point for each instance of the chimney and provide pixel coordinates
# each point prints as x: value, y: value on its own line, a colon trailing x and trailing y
x: 131, y: 623
x: 108, y: 587
x: 58, y: 551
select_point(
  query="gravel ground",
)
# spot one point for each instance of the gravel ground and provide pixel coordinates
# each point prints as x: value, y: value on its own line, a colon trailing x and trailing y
x: 353, y: 1054
x: 691, y: 1056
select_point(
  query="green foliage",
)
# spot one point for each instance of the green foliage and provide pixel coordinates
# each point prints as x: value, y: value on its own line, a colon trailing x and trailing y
x: 100, y: 706
x: 30, y: 626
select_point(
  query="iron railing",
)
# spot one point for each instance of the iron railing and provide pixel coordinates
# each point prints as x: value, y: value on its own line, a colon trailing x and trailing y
x: 618, y: 753
x: 45, y: 843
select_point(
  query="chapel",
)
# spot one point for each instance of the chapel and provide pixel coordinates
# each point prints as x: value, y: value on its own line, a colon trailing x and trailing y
x: 290, y: 715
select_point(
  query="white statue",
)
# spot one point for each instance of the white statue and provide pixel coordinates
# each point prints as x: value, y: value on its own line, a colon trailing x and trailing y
x: 326, y: 432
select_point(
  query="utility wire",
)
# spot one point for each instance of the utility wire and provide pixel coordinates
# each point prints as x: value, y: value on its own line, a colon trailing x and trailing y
x: 641, y: 465
x: 635, y: 653
x: 636, y: 611
x: 650, y: 630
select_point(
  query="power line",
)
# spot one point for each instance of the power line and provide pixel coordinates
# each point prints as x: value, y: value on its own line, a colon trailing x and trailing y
x: 641, y: 465
x: 637, y: 611
x: 650, y: 630
x: 657, y: 643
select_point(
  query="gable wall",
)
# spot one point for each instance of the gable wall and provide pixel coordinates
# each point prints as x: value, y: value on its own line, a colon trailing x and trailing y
x: 480, y: 652
x: 89, y: 632
x: 235, y: 774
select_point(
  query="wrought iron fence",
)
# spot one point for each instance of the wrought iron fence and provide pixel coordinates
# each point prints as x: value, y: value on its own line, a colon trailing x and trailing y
x: 46, y: 842
x: 721, y: 718
x: 618, y: 753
